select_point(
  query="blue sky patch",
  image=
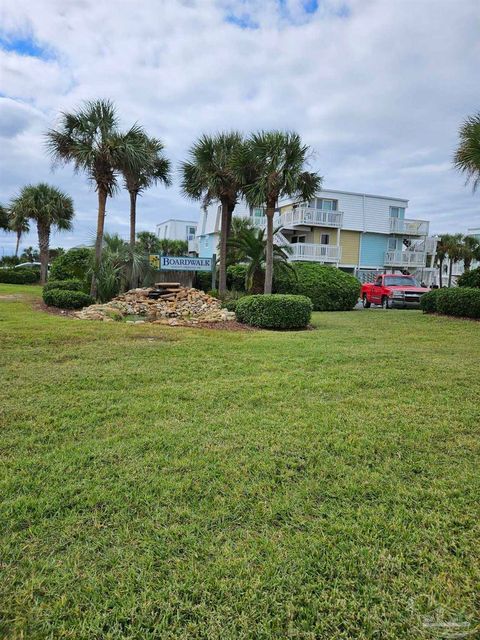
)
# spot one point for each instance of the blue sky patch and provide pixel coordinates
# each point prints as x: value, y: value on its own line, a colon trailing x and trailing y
x: 244, y: 21
x: 26, y: 46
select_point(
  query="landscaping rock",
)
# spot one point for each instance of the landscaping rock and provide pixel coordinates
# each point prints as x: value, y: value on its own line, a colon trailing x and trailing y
x: 179, y: 306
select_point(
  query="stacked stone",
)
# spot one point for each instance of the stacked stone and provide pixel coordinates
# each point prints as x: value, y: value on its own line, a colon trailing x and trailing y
x: 166, y: 303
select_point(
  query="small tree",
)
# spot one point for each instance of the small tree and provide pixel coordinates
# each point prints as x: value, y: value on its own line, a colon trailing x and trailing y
x: 49, y: 208
x: 470, y: 251
x: 209, y: 176
x: 271, y: 165
x: 455, y: 253
x: 251, y: 247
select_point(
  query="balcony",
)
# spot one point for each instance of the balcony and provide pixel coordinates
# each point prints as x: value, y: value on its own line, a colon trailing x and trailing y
x: 407, y: 227
x: 259, y: 222
x: 308, y: 216
x: 315, y: 252
x: 405, y: 259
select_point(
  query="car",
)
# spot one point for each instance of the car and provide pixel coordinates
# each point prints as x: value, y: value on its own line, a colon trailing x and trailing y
x: 392, y: 290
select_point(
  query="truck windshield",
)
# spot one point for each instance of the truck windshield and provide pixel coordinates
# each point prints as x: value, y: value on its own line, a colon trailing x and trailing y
x: 400, y: 281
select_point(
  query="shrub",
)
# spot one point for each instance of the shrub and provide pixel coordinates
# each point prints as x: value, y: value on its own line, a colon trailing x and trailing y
x: 236, y: 274
x: 470, y: 279
x: 65, y: 285
x: 428, y: 302
x: 203, y: 280
x: 24, y: 275
x: 329, y: 288
x: 274, y: 311
x: 74, y: 264
x: 66, y: 299
x: 462, y: 302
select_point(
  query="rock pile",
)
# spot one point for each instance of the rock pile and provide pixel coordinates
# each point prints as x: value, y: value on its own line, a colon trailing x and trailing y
x: 166, y: 303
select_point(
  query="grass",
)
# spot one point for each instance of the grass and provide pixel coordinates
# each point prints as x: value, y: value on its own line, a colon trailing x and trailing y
x: 180, y: 483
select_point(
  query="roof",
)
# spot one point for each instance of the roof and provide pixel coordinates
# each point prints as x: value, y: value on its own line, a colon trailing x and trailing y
x: 177, y: 220
x: 348, y: 193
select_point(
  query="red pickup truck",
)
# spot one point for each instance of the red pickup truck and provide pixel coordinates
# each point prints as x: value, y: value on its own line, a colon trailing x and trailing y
x: 392, y: 290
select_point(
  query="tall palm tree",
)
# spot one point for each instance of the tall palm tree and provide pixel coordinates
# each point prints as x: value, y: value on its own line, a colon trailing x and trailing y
x: 50, y: 208
x: 470, y: 251
x: 19, y: 227
x: 251, y: 247
x: 208, y: 175
x: 153, y: 167
x: 90, y: 140
x: 271, y: 165
x: 4, y: 219
x: 467, y: 155
x: 441, y: 255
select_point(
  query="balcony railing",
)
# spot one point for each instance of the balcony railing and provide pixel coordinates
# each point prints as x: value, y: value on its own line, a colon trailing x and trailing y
x: 258, y: 221
x: 405, y: 258
x: 310, y: 217
x: 409, y: 227
x: 315, y: 252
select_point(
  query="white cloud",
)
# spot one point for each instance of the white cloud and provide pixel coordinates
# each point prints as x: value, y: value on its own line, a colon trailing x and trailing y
x: 378, y: 88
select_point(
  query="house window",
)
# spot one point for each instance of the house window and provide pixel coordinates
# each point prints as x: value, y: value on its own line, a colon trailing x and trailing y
x: 191, y: 233
x: 324, y: 204
x: 325, y: 238
x: 392, y: 244
x: 297, y: 239
x: 397, y: 212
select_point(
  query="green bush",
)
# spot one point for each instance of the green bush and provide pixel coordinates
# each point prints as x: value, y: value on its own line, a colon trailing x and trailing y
x: 74, y: 264
x: 236, y: 274
x: 274, y: 311
x: 428, y: 302
x: 65, y: 299
x: 462, y: 302
x: 65, y: 285
x: 329, y: 288
x: 470, y: 279
x: 25, y: 275
x: 203, y: 281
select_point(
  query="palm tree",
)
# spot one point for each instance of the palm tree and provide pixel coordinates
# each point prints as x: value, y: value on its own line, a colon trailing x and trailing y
x: 470, y: 251
x: 89, y: 138
x: 19, y: 227
x: 237, y: 227
x: 271, y: 165
x: 209, y: 176
x: 440, y: 256
x: 148, y: 242
x: 467, y: 156
x: 49, y: 208
x: 251, y: 247
x: 151, y: 168
x: 455, y: 252
x: 4, y: 219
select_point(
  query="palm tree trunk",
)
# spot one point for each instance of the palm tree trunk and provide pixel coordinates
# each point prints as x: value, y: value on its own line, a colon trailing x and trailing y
x: 133, y: 216
x: 222, y: 276
x: 269, y: 251
x: 450, y: 267
x: 440, y: 273
x: 102, y: 204
x: 43, y: 244
x: 19, y: 235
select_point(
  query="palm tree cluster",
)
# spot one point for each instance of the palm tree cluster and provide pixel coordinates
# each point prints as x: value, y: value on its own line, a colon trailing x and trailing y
x: 91, y: 140
x: 454, y: 248
x: 261, y: 169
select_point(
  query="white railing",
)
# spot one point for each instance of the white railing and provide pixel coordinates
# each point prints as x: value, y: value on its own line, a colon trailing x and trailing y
x: 409, y: 227
x: 315, y: 252
x: 310, y: 216
x: 405, y: 258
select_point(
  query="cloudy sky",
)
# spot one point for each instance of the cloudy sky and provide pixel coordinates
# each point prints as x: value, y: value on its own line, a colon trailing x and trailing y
x: 378, y: 88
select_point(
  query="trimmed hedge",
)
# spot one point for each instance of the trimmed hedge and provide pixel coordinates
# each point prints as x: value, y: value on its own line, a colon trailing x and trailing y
x: 329, y: 288
x: 236, y: 274
x: 19, y: 276
x: 65, y: 299
x: 461, y: 302
x: 428, y: 302
x: 74, y: 264
x: 65, y: 285
x: 470, y: 279
x: 274, y: 311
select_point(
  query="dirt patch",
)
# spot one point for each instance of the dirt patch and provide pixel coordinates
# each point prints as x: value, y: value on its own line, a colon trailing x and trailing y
x: 54, y: 311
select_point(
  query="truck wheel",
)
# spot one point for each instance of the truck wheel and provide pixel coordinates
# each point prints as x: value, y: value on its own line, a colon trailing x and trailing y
x: 385, y: 303
x: 366, y: 303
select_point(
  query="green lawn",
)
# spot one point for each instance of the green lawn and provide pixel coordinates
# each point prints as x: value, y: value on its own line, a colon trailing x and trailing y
x: 174, y: 483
